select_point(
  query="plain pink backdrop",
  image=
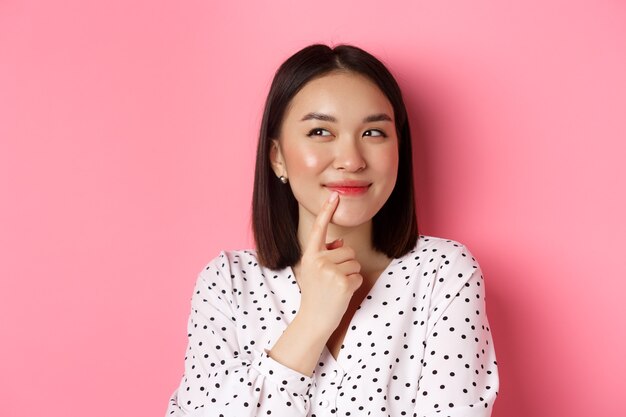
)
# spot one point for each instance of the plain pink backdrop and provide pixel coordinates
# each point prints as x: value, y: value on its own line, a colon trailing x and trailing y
x: 127, y: 145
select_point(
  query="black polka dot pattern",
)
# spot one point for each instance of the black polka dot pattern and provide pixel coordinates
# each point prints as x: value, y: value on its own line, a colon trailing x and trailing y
x: 419, y: 344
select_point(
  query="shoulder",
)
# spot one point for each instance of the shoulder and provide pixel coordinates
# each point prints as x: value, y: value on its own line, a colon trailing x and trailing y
x: 449, y: 267
x: 232, y: 260
x: 229, y: 264
x: 447, y: 264
x: 238, y: 268
x: 435, y: 244
x: 220, y: 278
x: 445, y: 250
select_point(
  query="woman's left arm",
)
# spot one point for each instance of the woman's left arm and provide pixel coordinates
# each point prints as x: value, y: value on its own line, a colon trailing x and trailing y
x: 459, y: 374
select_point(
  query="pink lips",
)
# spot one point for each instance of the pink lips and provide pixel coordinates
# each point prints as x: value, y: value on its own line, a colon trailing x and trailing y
x: 349, y: 188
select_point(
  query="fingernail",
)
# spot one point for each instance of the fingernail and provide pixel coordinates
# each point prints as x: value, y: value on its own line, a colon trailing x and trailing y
x: 333, y: 196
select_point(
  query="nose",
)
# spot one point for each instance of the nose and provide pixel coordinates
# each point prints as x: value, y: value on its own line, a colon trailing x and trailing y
x: 348, y: 155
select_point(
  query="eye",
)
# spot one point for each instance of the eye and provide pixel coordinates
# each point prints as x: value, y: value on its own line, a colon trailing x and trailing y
x: 375, y: 133
x: 318, y: 132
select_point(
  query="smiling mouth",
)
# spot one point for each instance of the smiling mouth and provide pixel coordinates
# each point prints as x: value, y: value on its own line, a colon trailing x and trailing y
x: 349, y: 190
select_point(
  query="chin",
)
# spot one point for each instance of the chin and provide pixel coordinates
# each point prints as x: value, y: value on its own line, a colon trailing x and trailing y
x: 349, y: 219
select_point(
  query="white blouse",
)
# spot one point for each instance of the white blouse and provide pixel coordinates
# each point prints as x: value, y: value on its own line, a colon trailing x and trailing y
x: 418, y: 345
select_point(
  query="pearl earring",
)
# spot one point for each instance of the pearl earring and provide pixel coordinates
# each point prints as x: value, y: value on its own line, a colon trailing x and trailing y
x: 283, y: 179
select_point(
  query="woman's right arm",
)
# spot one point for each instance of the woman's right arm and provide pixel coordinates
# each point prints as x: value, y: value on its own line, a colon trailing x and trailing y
x: 224, y: 377
x: 328, y: 278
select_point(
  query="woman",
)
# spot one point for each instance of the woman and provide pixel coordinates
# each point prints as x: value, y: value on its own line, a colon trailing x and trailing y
x: 342, y: 309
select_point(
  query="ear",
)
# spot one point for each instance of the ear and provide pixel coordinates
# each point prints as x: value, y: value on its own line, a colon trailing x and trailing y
x: 276, y: 159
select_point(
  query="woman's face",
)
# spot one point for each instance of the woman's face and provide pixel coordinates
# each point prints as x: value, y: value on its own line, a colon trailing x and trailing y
x: 339, y: 130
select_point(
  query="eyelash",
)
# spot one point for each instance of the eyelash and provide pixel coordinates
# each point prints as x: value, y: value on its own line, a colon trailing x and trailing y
x: 313, y: 132
x: 382, y: 134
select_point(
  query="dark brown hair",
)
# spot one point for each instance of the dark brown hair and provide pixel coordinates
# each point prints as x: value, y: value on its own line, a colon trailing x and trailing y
x: 274, y: 207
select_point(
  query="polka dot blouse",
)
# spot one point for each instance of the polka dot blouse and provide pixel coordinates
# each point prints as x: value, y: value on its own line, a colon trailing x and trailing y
x: 418, y: 345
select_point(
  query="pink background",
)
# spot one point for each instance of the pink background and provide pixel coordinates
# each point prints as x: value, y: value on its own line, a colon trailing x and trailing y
x: 127, y: 142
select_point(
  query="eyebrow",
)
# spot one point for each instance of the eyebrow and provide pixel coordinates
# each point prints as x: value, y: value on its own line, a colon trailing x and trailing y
x: 380, y: 117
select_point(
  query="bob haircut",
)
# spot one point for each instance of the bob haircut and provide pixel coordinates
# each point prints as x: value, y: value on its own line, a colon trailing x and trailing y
x: 274, y: 207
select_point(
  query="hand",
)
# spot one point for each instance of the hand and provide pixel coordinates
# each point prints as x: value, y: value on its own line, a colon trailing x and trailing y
x: 329, y: 275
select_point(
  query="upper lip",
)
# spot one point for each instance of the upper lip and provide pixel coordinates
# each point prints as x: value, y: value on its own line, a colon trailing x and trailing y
x: 348, y: 183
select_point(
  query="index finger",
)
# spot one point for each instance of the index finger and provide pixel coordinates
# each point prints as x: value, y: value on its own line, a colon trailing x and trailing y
x: 317, y: 238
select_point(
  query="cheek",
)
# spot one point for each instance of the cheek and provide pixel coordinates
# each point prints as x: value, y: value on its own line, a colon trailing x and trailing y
x: 304, y: 160
x: 311, y: 160
x: 392, y: 159
x: 387, y: 162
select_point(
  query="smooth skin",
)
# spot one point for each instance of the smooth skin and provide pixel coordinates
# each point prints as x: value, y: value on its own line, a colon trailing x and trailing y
x: 351, y: 136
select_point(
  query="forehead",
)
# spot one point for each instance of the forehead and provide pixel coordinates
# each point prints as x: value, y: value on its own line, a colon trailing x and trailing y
x: 338, y: 93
